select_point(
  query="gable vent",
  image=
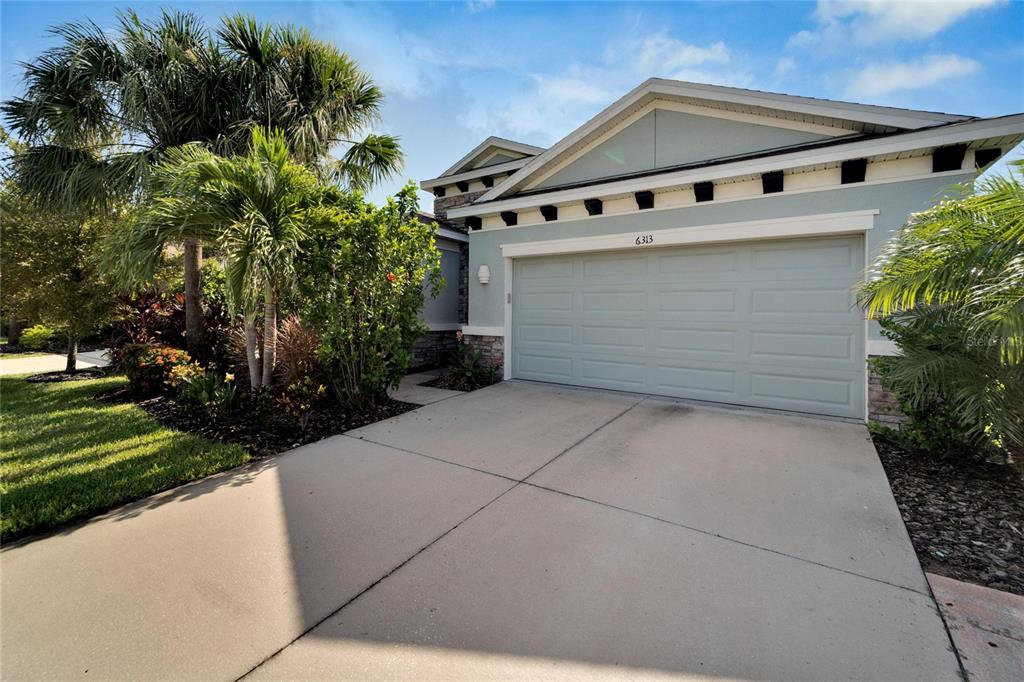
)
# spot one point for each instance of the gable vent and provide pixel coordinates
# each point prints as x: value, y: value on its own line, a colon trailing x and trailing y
x: 644, y: 200
x: 854, y: 170
x: 594, y: 206
x: 771, y: 182
x: 948, y: 158
x: 549, y: 212
x: 704, y: 191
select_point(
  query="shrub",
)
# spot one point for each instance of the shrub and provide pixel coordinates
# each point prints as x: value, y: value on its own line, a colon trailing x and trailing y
x: 208, y: 390
x: 148, y: 367
x: 296, y: 351
x: 38, y: 337
x: 468, y: 370
x: 956, y: 394
x: 361, y: 282
x: 299, y: 399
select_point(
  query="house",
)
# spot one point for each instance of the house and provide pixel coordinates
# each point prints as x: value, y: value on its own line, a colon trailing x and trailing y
x: 447, y: 312
x: 703, y: 242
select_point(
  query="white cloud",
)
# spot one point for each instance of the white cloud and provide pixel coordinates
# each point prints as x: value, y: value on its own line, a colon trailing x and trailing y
x: 875, y: 80
x: 551, y: 105
x: 475, y: 6
x: 870, y: 22
x: 784, y: 66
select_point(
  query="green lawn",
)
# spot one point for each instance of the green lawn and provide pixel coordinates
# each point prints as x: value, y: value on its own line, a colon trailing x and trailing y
x: 65, y: 456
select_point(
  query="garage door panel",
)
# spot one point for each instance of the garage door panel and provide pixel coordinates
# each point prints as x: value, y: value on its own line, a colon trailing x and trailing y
x: 768, y: 324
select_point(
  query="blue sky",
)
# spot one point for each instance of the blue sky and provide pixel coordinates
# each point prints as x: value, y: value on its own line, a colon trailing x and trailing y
x: 455, y: 72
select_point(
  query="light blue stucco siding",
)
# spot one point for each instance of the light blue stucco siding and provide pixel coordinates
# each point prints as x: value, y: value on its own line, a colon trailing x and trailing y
x: 894, y: 202
x: 664, y: 138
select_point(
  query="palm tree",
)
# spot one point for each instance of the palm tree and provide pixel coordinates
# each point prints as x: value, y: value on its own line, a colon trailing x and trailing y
x: 256, y: 207
x: 950, y: 290
x: 100, y: 109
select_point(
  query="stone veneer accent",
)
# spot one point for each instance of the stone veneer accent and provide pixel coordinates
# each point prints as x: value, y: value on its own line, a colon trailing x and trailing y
x: 442, y: 204
x: 882, y: 404
x: 432, y: 350
x: 491, y: 347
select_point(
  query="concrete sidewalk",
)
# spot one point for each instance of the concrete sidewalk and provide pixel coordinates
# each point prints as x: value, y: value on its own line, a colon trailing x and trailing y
x: 518, y: 531
x: 50, y: 362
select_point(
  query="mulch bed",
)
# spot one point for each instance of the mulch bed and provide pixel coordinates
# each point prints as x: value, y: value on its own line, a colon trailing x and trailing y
x: 965, y: 516
x: 61, y: 376
x: 452, y: 384
x: 263, y: 430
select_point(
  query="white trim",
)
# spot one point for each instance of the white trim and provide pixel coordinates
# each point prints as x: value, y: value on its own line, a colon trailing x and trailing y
x: 506, y: 346
x: 443, y: 326
x: 497, y: 168
x: 476, y: 330
x: 864, y: 113
x: 797, y: 226
x: 961, y: 132
x: 882, y: 347
x: 493, y: 141
x: 453, y: 235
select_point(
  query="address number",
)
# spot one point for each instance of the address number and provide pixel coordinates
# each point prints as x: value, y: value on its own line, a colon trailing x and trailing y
x: 645, y: 239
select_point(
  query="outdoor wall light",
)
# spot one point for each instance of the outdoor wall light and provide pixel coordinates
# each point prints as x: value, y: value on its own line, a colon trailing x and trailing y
x: 483, y: 273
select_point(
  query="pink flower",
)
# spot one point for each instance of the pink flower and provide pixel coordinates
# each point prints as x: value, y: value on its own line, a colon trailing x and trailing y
x: 458, y: 335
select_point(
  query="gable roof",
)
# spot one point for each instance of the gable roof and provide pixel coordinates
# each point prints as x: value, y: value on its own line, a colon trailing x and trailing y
x: 865, y: 119
x: 491, y: 143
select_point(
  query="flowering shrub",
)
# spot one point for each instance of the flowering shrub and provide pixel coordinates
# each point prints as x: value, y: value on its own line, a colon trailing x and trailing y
x: 182, y: 374
x: 148, y: 367
x: 299, y: 399
x: 209, y: 390
x: 38, y: 337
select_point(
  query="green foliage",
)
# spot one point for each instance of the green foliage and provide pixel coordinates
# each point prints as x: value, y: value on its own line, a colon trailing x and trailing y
x: 361, y: 284
x: 468, y: 370
x: 300, y: 397
x: 209, y: 390
x: 51, y: 268
x: 148, y: 367
x: 65, y: 455
x: 953, y: 283
x: 38, y: 337
x: 957, y: 395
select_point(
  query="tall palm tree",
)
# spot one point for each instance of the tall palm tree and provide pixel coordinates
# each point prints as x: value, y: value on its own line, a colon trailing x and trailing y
x: 100, y: 109
x: 256, y: 207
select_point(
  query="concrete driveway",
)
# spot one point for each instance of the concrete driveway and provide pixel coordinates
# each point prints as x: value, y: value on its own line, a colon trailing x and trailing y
x: 519, y: 531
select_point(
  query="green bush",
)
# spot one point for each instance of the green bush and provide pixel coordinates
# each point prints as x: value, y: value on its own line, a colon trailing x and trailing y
x: 959, y: 399
x: 208, y: 390
x: 361, y: 288
x: 468, y: 370
x: 38, y: 337
x: 149, y: 367
x: 299, y: 398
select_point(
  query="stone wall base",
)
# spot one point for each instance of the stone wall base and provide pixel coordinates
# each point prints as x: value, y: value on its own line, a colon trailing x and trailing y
x: 491, y: 347
x: 882, y: 404
x: 432, y: 349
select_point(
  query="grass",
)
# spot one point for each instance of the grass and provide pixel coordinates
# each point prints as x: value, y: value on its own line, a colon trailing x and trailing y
x: 65, y: 456
x: 15, y: 356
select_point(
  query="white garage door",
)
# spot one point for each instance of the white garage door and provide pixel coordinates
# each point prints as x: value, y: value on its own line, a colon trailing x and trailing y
x: 770, y: 324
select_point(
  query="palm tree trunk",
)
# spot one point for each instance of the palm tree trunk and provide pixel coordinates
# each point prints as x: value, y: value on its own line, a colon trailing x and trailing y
x: 251, y: 355
x: 194, y: 331
x: 269, y: 336
x: 72, y: 363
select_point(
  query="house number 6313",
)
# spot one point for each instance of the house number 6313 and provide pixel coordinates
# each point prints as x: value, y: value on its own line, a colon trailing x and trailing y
x: 645, y: 239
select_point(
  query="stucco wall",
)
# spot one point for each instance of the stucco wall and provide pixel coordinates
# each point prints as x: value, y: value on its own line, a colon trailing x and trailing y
x: 894, y: 201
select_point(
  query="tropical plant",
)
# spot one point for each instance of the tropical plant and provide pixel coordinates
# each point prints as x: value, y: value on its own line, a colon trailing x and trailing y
x: 101, y: 107
x: 468, y: 370
x: 953, y: 282
x: 256, y: 207
x: 296, y: 351
x: 361, y: 278
x: 300, y: 398
x: 209, y: 390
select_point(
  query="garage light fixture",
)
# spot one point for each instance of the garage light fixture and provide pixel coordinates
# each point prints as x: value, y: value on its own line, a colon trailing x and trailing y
x: 483, y: 273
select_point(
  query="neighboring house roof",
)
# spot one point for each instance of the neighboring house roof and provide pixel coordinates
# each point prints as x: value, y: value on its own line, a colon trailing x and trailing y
x: 490, y: 145
x: 454, y: 231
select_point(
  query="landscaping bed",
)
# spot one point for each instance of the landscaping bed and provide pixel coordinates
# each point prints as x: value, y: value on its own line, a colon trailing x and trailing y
x: 456, y: 383
x: 965, y: 516
x: 258, y: 426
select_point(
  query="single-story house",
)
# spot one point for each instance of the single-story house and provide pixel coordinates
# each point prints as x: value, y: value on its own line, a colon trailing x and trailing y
x: 702, y: 242
x: 447, y: 312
